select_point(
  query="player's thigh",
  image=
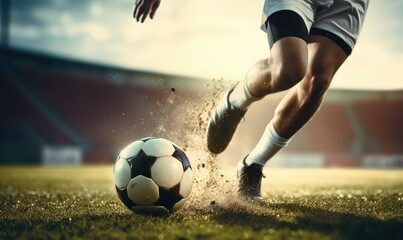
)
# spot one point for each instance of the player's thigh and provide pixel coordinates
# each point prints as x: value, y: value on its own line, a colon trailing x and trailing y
x: 324, y: 59
x: 287, y: 35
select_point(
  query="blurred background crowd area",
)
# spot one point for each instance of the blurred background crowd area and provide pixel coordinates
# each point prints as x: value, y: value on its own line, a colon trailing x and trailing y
x: 58, y: 108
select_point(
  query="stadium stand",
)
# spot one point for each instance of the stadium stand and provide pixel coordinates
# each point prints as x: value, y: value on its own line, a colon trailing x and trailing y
x: 51, y: 102
x: 330, y: 122
x: 382, y: 121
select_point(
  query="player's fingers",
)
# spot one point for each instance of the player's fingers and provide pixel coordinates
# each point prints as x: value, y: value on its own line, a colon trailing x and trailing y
x: 140, y: 9
x: 145, y: 15
x: 139, y: 16
x: 137, y: 7
x: 154, y: 9
x: 145, y: 11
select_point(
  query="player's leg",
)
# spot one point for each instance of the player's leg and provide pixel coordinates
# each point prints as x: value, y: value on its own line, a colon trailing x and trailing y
x: 333, y: 36
x: 303, y: 100
x: 294, y: 110
x: 285, y: 67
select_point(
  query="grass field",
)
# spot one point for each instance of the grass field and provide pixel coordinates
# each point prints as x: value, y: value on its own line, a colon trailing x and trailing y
x: 80, y: 203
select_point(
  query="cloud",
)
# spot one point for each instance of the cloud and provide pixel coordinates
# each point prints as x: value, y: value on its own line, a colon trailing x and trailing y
x: 213, y: 39
x: 384, y: 23
x: 378, y: 56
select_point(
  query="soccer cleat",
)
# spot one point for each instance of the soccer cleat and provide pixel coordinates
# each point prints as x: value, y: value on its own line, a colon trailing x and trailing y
x: 250, y: 181
x: 222, y: 125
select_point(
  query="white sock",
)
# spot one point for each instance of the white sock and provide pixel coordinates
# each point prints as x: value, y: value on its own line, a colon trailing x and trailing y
x: 269, y: 144
x: 241, y: 97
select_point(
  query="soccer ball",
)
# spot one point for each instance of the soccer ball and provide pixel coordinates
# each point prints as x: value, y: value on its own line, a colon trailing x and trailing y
x: 153, y: 176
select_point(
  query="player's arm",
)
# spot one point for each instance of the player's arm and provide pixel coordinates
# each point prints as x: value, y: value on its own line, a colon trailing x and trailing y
x: 143, y: 8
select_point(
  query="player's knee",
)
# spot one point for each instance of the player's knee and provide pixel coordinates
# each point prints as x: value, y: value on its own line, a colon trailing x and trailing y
x: 317, y: 83
x: 287, y: 76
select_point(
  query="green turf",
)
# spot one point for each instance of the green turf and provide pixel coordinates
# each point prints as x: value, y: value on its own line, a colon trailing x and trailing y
x: 80, y: 202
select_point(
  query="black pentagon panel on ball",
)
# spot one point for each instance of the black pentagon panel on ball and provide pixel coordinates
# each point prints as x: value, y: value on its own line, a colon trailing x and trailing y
x: 181, y: 156
x: 168, y: 197
x: 141, y: 165
x: 122, y: 194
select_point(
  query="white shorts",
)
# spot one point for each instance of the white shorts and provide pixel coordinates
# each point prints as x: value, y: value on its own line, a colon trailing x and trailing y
x: 344, y: 18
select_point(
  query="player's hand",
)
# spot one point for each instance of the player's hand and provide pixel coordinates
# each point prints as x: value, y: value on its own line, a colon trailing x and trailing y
x: 144, y: 8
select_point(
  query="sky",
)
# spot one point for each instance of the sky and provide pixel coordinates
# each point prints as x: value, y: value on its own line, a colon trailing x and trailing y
x: 209, y: 39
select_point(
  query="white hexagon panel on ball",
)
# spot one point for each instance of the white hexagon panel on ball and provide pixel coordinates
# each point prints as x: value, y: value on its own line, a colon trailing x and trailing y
x: 131, y: 150
x: 158, y: 147
x: 121, y: 173
x: 142, y: 190
x: 167, y: 171
x: 186, y: 184
x: 179, y: 205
